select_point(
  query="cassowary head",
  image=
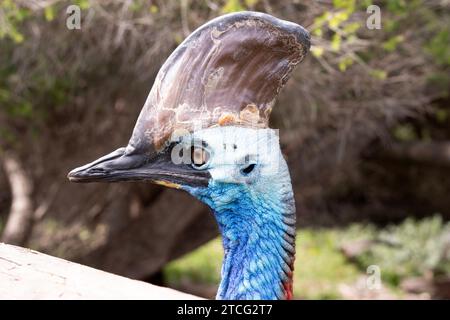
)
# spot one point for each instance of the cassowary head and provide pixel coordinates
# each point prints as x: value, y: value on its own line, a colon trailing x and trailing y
x: 204, y: 129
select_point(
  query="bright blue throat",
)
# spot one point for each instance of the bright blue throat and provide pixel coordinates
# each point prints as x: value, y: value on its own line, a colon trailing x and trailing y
x: 258, y: 231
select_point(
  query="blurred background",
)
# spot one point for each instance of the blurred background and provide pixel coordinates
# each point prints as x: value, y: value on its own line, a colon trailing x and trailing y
x: 364, y: 124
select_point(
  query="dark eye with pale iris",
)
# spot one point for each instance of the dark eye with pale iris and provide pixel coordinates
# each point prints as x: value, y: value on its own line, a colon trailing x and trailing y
x: 199, y: 157
x: 248, y: 169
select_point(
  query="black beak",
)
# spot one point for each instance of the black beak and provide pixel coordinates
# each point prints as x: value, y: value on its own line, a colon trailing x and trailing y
x: 156, y: 167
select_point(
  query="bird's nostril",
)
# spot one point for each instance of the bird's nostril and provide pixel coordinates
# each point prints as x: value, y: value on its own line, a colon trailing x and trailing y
x: 97, y: 170
x: 248, y: 169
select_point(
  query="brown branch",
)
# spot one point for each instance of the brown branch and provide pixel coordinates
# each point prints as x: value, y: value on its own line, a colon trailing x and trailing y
x: 184, y: 17
x: 20, y: 218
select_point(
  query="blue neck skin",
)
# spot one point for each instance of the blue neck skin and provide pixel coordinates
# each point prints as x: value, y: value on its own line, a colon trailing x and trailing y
x: 258, y: 233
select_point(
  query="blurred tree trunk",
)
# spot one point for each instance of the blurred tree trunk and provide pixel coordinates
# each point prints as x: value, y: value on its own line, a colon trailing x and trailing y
x: 436, y: 153
x: 20, y: 219
x: 171, y: 225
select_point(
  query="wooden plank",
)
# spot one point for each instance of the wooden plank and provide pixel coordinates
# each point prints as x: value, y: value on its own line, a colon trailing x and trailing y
x: 28, y: 274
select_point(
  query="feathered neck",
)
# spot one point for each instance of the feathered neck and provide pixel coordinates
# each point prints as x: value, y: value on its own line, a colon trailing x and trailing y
x: 259, y: 253
x: 258, y: 232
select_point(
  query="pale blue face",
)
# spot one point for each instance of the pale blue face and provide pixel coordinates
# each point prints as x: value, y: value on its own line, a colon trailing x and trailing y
x: 241, y: 161
x: 230, y: 149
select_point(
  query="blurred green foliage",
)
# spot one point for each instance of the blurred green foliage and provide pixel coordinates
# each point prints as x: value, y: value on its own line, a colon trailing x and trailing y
x: 411, y: 248
x: 13, y: 16
x: 238, y: 5
x: 442, y: 115
x: 334, y: 30
x: 319, y: 266
x: 232, y: 6
x: 31, y: 92
x: 405, y: 133
x: 439, y: 47
x: 340, y: 29
x: 202, y: 265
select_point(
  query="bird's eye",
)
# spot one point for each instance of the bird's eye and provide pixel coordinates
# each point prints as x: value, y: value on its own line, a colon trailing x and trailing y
x: 199, y: 157
x: 248, y: 169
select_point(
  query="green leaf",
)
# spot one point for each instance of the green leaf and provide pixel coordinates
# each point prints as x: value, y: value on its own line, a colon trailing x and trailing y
x: 442, y: 115
x: 154, y: 9
x: 336, y: 42
x: 439, y: 47
x: 337, y: 19
x: 378, y: 74
x: 391, y: 44
x: 405, y: 133
x: 345, y: 4
x: 4, y: 95
x: 24, y: 110
x: 49, y: 13
x: 250, y: 3
x: 16, y: 36
x: 351, y: 28
x: 397, y: 6
x: 317, y: 51
x: 232, y: 6
x: 83, y: 4
x: 320, y: 20
x: 344, y: 63
x: 317, y: 32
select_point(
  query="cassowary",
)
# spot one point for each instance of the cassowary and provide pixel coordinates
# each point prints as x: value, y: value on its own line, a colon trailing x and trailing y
x: 204, y: 129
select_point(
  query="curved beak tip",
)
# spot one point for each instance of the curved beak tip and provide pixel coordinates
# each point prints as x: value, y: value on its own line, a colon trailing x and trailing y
x: 93, y: 171
x: 71, y: 176
x: 75, y: 175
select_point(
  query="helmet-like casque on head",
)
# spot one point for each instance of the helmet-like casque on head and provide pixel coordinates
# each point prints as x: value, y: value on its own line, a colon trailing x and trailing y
x: 227, y: 72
